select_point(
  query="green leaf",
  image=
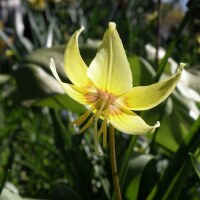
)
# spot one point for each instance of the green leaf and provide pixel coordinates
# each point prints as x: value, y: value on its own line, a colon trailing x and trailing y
x: 190, y: 144
x: 195, y: 164
x: 41, y: 58
x: 151, y: 174
x: 172, y: 122
x: 60, y: 102
x: 142, y: 71
x: 174, y: 189
x: 34, y: 83
x: 133, y: 177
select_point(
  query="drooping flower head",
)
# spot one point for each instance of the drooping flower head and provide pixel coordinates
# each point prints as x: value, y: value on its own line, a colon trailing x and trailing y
x: 105, y: 87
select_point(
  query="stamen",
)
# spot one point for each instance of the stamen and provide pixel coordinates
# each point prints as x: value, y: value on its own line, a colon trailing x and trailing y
x: 82, y: 118
x: 87, y: 125
x: 102, y: 102
x: 102, y: 127
x: 98, y: 113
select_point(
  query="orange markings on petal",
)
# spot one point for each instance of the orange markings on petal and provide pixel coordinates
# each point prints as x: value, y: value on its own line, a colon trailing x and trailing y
x: 91, y: 97
x: 126, y: 101
x: 115, y: 110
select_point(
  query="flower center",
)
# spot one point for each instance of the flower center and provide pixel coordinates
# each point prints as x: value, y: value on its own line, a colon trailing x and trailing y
x: 101, y: 103
x: 104, y: 100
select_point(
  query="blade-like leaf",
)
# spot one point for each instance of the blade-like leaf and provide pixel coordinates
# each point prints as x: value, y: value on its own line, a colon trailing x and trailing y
x: 34, y: 83
x: 195, y: 164
x: 60, y: 102
x: 142, y: 71
x: 133, y: 176
x: 190, y: 144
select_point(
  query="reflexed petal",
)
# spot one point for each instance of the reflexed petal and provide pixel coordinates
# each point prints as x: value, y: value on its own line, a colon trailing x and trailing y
x: 73, y: 91
x: 110, y: 69
x: 74, y: 66
x: 128, y: 122
x: 146, y: 97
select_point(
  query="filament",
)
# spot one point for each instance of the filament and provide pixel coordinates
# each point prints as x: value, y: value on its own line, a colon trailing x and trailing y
x: 101, y: 108
x: 87, y: 125
x: 82, y: 118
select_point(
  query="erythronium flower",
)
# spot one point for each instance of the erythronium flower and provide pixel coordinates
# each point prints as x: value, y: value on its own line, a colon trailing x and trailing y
x: 106, y: 87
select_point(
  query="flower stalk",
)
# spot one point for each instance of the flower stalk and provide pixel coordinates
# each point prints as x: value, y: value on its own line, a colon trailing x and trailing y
x: 114, y: 165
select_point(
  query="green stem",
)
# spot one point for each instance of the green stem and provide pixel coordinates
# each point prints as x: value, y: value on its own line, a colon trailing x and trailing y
x: 114, y: 164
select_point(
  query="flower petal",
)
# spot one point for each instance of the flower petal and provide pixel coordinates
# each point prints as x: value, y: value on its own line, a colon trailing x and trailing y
x: 110, y: 70
x: 74, y: 66
x: 73, y: 91
x: 128, y: 122
x: 146, y: 97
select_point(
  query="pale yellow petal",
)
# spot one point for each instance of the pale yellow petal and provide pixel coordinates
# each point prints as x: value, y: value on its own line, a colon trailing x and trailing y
x: 110, y: 70
x: 74, y: 66
x: 73, y: 91
x: 128, y: 122
x: 146, y: 97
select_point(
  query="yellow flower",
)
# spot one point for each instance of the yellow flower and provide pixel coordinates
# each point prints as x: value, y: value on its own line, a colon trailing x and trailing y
x: 105, y: 87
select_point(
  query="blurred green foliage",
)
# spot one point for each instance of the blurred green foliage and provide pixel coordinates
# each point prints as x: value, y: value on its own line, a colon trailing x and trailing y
x: 42, y: 155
